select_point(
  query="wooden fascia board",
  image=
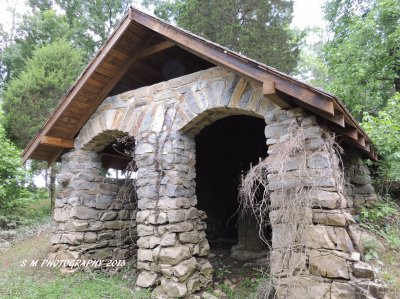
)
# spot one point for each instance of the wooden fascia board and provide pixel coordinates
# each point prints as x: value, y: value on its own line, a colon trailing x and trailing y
x: 69, y: 96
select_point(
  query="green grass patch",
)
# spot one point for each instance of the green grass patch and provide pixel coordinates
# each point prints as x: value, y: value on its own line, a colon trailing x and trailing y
x: 36, y: 282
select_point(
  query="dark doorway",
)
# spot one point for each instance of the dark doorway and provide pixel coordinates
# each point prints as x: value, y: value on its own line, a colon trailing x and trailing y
x: 224, y: 150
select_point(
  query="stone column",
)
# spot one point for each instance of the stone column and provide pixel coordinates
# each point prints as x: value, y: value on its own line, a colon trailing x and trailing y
x: 315, y: 255
x: 358, y: 182
x: 173, y: 248
x: 94, y: 215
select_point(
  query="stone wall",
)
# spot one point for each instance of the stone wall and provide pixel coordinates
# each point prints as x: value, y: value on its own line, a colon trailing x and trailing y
x: 172, y: 244
x: 324, y: 261
x: 358, y: 181
x: 94, y: 215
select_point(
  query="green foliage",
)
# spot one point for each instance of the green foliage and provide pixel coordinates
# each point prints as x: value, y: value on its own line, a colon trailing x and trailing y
x: 363, y: 55
x: 29, y: 99
x: 384, y: 130
x: 257, y: 28
x: 34, y: 31
x: 12, y: 177
x: 91, y: 22
x: 384, y: 220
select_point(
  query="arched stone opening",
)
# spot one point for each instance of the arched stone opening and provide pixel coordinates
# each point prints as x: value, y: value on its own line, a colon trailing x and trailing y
x: 225, y: 151
x: 94, y: 213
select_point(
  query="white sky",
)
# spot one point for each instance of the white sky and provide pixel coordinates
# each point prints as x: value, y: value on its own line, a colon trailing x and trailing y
x: 306, y: 12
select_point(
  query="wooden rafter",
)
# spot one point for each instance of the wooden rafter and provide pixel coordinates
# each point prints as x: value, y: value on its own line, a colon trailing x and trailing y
x: 156, y: 48
x: 57, y: 142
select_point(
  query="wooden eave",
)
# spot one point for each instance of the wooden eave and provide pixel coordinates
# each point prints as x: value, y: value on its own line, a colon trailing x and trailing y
x: 129, y: 60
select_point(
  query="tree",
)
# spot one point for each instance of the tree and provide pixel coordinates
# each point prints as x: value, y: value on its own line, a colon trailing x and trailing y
x: 12, y: 176
x: 30, y: 98
x: 363, y: 55
x: 384, y: 130
x: 34, y: 31
x: 259, y: 29
x: 90, y: 21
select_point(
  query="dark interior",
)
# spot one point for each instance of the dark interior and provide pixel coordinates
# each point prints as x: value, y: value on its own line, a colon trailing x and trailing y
x: 224, y: 150
x: 164, y: 65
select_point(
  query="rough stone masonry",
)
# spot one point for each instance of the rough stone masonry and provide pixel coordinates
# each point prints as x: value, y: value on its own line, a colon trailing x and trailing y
x: 155, y: 218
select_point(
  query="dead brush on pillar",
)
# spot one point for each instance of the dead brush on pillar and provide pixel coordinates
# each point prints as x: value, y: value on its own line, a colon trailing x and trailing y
x: 287, y: 183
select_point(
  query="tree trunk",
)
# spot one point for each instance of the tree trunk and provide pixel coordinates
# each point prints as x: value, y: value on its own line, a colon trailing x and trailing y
x: 52, y: 186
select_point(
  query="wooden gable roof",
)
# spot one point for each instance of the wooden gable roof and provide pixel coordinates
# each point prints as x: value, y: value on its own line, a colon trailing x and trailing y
x: 131, y: 58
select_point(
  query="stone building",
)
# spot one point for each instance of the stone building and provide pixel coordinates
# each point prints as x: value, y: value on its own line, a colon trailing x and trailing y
x: 190, y: 116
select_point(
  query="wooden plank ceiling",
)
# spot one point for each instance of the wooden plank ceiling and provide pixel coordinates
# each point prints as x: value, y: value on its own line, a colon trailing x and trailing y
x: 144, y: 50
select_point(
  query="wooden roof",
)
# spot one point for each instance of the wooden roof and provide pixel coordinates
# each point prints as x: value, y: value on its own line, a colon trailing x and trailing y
x: 133, y: 57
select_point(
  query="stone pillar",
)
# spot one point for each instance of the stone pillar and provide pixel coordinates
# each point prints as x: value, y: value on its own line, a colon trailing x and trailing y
x: 173, y: 248
x: 313, y: 252
x: 94, y: 215
x: 358, y: 182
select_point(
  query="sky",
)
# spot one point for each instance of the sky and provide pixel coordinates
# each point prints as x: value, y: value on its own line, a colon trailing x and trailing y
x: 306, y: 12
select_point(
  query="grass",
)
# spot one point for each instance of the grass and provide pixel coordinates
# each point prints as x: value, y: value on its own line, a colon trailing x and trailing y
x: 391, y: 272
x: 36, y: 282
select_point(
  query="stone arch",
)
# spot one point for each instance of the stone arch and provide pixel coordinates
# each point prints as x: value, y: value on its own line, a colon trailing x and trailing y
x: 208, y: 101
x: 101, y: 129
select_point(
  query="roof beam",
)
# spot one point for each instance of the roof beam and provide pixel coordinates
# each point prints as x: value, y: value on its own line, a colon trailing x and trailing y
x: 156, y: 48
x: 57, y: 142
x: 270, y: 92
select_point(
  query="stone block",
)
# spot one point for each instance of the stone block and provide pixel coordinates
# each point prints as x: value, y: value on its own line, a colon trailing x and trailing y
x: 365, y: 189
x: 303, y: 288
x: 204, y: 248
x: 318, y: 161
x: 175, y: 216
x: 324, y: 199
x: 334, y: 219
x: 77, y: 226
x: 108, y: 215
x: 61, y: 215
x: 116, y: 224
x: 343, y: 241
x: 173, y: 289
x: 108, y: 235
x: 180, y: 227
x: 328, y: 265
x: 146, y: 279
x: 193, y: 284
x: 173, y: 255
x: 185, y: 269
x: 145, y: 255
x: 90, y: 237
x: 342, y: 291
x: 73, y: 239
x: 372, y: 288
x: 84, y: 213
x: 189, y: 237
x: 363, y: 270
x: 317, y: 236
